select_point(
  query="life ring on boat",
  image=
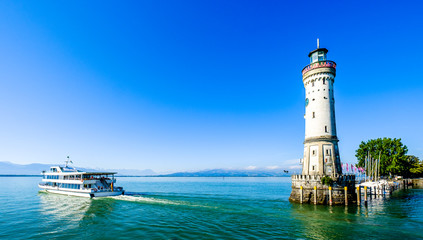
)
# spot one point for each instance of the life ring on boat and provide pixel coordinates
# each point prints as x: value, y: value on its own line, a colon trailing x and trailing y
x: 95, y: 189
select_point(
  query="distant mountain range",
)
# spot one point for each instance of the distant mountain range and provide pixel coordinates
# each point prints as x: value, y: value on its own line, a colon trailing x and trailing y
x: 8, y: 168
x: 231, y: 173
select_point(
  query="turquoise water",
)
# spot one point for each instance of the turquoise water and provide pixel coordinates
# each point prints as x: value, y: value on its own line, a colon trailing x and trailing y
x: 200, y: 208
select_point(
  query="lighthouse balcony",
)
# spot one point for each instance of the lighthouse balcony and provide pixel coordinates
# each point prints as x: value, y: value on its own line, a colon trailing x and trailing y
x: 319, y: 64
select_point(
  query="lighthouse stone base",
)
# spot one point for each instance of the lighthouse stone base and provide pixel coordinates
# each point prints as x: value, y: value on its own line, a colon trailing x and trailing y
x: 303, y: 190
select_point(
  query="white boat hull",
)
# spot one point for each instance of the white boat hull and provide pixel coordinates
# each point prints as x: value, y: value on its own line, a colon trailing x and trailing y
x: 81, y: 193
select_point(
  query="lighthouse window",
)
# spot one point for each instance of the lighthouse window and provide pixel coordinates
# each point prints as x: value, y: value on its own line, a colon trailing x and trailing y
x: 312, y: 84
x: 322, y: 56
x: 324, y: 81
x: 314, y: 114
x: 314, y: 152
x: 326, y: 128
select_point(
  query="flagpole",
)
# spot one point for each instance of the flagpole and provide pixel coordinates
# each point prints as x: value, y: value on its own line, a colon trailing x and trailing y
x: 365, y: 168
x: 378, y: 170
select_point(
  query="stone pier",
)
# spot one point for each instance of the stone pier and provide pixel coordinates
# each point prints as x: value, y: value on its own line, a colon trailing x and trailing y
x: 303, y: 186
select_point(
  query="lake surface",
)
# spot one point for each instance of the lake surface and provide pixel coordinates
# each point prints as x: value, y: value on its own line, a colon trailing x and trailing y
x: 200, y: 208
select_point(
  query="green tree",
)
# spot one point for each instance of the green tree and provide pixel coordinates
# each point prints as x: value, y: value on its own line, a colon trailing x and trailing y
x: 416, y: 169
x: 393, y: 158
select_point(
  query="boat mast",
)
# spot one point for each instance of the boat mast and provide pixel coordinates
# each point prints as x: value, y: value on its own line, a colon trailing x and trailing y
x: 67, y: 161
x: 365, y: 167
x: 378, y: 170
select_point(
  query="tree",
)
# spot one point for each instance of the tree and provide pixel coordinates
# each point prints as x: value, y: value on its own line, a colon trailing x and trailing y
x: 393, y: 158
x: 416, y: 169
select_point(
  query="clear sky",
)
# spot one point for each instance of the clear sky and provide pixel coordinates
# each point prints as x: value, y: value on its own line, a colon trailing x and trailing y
x: 189, y: 85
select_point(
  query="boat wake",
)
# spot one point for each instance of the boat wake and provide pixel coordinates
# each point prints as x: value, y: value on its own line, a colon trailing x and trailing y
x: 141, y: 198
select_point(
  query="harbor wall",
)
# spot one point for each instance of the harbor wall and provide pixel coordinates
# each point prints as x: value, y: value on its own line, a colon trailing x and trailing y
x: 306, y: 187
x: 417, y: 182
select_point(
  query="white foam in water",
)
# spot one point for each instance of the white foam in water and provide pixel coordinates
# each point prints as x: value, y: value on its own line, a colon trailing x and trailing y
x: 155, y: 201
x: 144, y: 199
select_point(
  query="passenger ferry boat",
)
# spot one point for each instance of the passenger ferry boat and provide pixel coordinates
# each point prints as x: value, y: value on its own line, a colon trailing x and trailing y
x: 69, y: 181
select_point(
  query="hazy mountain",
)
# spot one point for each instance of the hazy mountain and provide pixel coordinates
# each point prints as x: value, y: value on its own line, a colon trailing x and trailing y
x: 231, y: 173
x: 8, y: 168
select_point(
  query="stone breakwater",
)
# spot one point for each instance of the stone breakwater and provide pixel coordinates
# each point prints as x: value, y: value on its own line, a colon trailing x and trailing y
x: 310, y: 189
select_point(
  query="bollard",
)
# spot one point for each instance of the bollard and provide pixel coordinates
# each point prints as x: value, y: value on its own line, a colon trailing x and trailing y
x: 365, y: 195
x: 346, y: 195
x: 301, y: 194
x: 315, y: 195
x: 383, y: 190
x: 330, y: 195
x: 358, y: 196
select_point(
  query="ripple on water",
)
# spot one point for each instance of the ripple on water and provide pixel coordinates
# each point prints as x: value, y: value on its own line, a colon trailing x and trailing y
x: 252, y: 208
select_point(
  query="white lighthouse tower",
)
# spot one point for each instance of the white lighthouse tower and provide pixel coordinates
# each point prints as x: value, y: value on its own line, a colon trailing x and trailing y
x: 321, y: 180
x: 321, y: 153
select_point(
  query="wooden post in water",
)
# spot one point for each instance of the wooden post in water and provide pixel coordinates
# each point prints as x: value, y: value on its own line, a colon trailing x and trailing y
x: 383, y: 190
x: 330, y: 195
x: 315, y: 195
x: 370, y: 192
x: 346, y: 195
x: 358, y: 196
x: 301, y: 194
x: 365, y: 196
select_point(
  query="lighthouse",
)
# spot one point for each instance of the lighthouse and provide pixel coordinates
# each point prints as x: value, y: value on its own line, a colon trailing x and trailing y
x: 321, y: 152
x: 321, y: 180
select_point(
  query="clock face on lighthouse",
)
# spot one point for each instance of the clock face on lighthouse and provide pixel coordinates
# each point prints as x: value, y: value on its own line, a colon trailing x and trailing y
x: 306, y: 102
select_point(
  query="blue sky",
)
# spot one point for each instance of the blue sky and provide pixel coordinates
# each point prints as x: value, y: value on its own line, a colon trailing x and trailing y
x: 188, y: 85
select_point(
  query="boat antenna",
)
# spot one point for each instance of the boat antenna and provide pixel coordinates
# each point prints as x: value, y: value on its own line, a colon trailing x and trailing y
x: 67, y: 161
